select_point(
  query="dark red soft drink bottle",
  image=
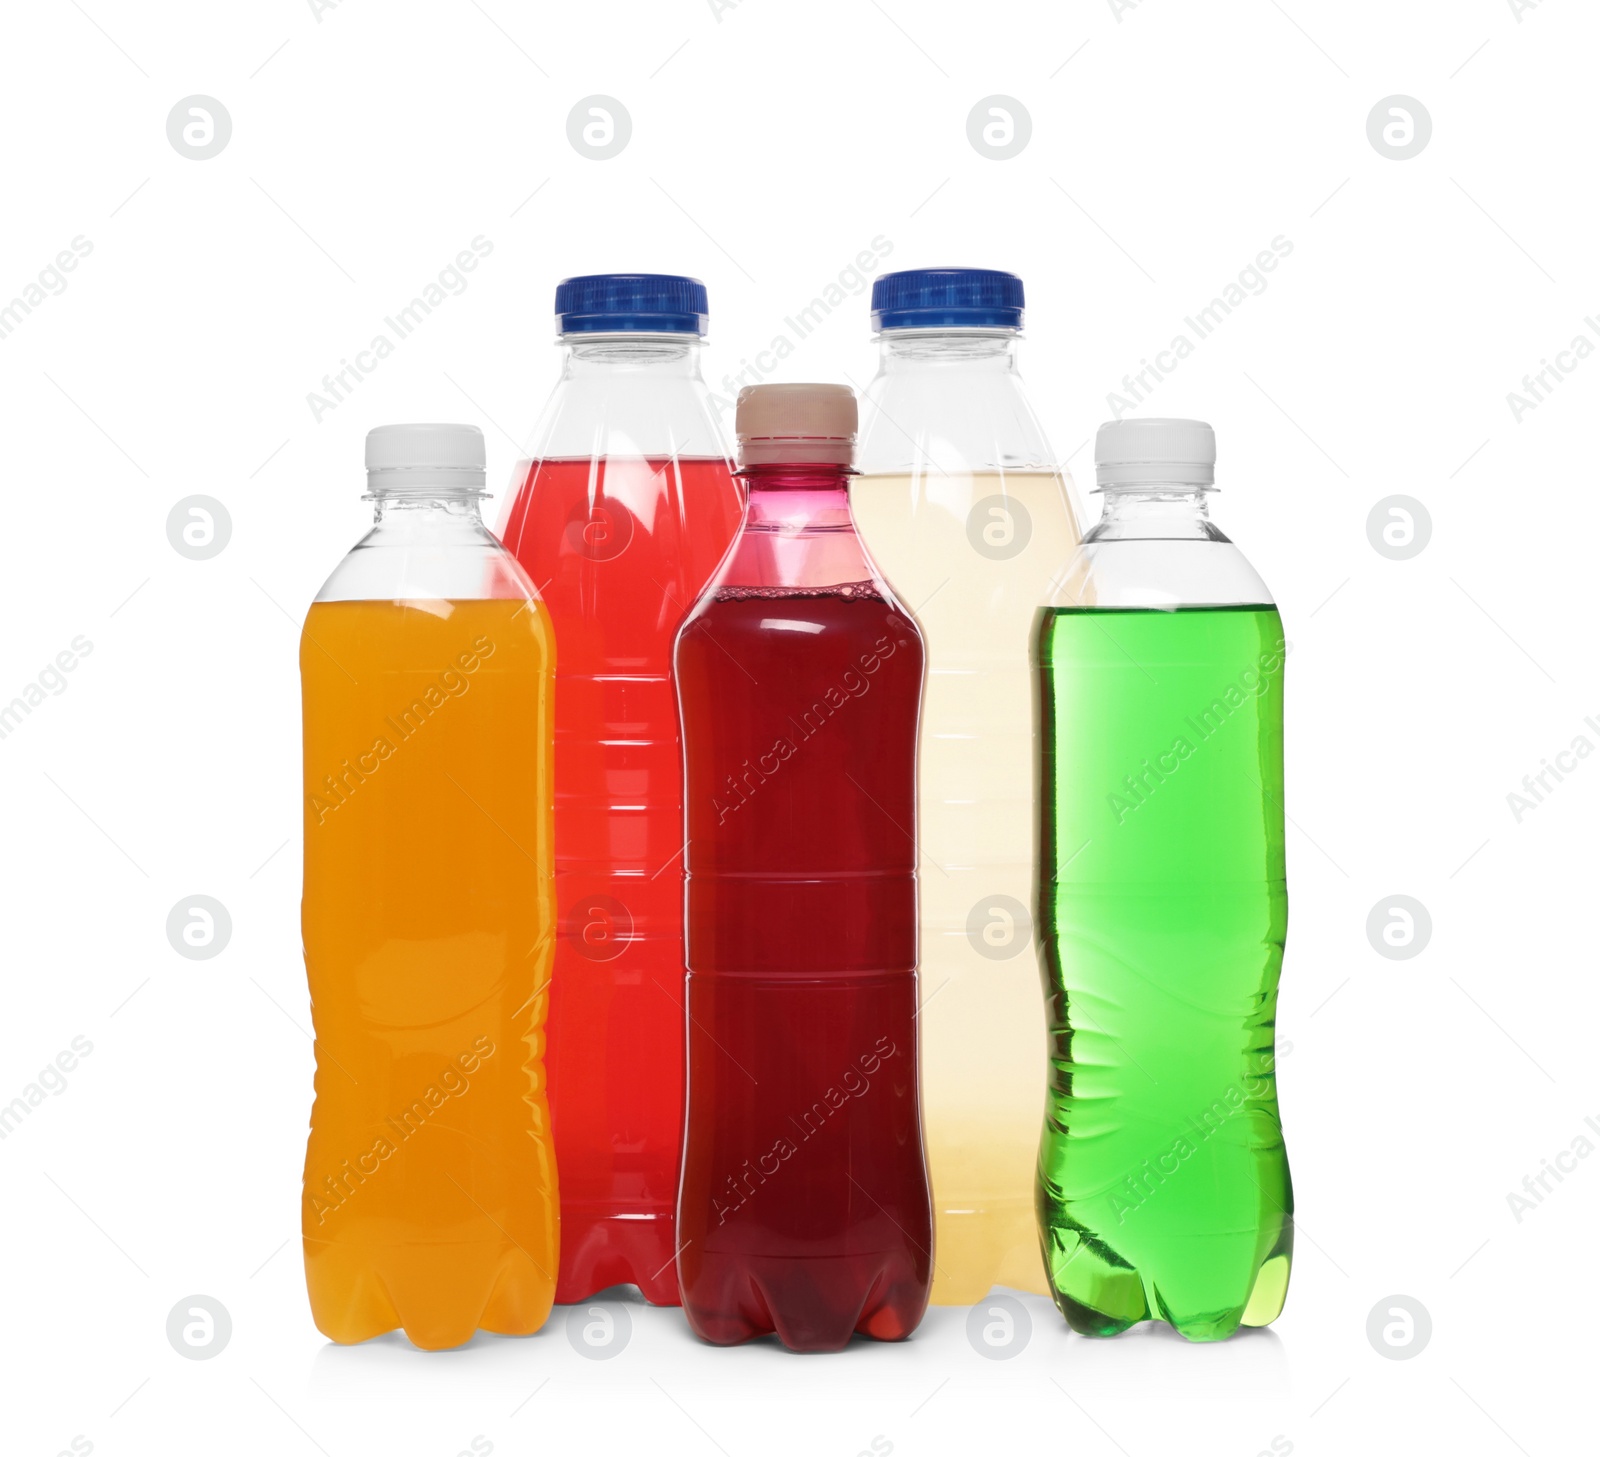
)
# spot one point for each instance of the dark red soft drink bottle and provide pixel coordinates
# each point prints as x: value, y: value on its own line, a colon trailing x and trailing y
x: 621, y: 516
x: 804, y: 1205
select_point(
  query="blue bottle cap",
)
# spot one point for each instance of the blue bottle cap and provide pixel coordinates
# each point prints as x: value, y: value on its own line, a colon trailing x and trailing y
x: 631, y: 303
x: 947, y: 298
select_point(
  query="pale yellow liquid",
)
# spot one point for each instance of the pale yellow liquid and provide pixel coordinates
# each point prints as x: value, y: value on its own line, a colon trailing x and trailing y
x: 982, y: 1022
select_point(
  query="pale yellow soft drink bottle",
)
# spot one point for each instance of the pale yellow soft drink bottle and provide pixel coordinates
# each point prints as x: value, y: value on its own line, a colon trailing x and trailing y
x: 962, y: 504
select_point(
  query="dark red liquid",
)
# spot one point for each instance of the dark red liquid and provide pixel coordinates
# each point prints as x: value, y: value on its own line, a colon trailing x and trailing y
x: 619, y: 549
x: 804, y: 1206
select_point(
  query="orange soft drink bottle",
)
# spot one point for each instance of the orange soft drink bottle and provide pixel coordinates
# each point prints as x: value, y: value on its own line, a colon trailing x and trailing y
x: 427, y: 664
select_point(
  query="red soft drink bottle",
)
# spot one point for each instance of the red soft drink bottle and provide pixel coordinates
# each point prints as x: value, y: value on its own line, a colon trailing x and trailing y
x: 621, y: 515
x: 804, y: 1205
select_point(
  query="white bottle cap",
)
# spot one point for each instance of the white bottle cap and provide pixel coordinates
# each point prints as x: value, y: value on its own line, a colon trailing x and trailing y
x: 1143, y: 452
x: 425, y: 460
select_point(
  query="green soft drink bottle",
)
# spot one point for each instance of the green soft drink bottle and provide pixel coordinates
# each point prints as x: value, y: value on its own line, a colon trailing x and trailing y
x: 1163, y: 1188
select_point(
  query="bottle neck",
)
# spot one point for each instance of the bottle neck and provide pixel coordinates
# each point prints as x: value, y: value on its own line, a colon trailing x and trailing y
x: 637, y: 395
x: 426, y: 544
x: 798, y: 532
x: 902, y: 351
x: 949, y: 402
x: 798, y: 496
x: 662, y: 356
x: 419, y: 512
x: 1169, y: 512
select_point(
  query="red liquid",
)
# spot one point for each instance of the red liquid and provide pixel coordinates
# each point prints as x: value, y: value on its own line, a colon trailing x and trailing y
x: 620, y: 549
x: 805, y: 1205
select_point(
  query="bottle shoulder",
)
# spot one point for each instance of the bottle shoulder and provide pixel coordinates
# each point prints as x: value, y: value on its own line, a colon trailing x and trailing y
x: 1159, y: 573
x: 950, y: 418
x: 781, y: 629
x: 423, y: 560
x: 629, y: 414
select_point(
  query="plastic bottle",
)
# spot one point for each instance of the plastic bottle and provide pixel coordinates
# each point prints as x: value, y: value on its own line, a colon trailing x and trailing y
x: 427, y: 666
x: 1163, y: 1183
x: 804, y: 1207
x: 961, y: 501
x: 621, y: 516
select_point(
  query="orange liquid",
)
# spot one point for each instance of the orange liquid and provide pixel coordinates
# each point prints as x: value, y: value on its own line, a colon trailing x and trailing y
x: 430, y: 1198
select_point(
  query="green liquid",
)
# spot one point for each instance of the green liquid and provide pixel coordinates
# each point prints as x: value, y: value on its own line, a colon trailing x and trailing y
x: 1163, y: 1181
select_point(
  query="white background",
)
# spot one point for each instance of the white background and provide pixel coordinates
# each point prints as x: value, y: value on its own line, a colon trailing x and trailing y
x: 770, y: 144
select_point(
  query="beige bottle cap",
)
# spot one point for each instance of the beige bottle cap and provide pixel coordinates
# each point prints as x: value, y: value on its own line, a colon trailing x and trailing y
x: 802, y: 423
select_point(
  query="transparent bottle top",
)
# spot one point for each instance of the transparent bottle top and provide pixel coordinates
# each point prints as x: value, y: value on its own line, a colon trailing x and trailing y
x: 427, y: 547
x: 949, y: 401
x: 799, y: 534
x: 1157, y: 547
x: 627, y: 395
